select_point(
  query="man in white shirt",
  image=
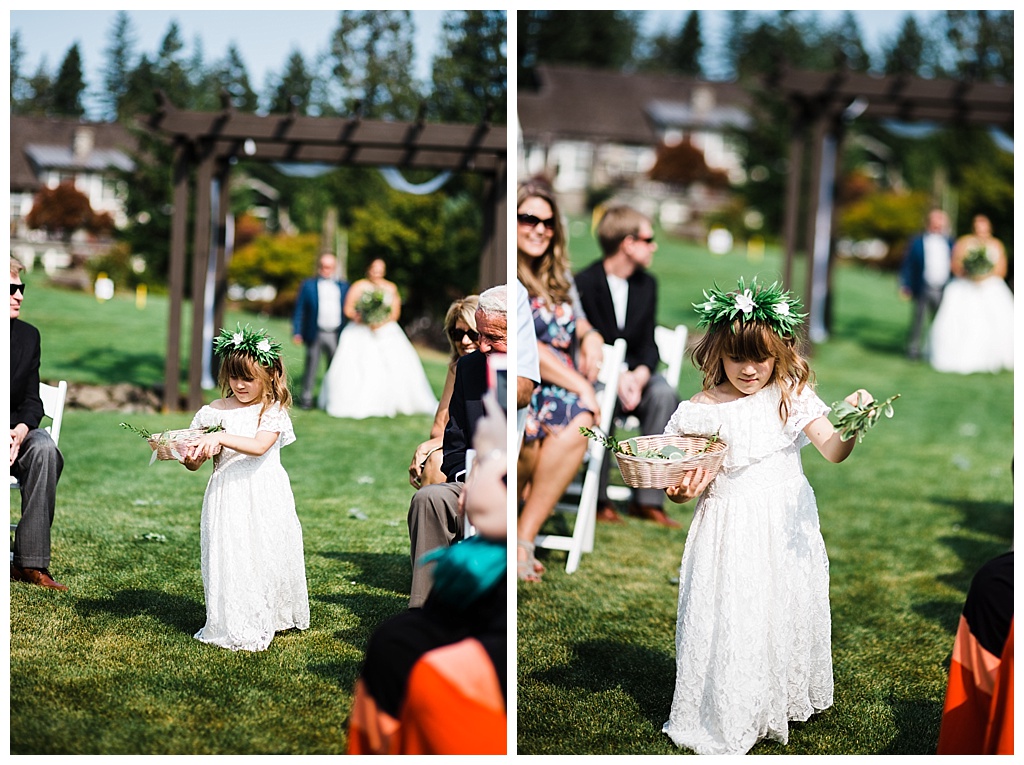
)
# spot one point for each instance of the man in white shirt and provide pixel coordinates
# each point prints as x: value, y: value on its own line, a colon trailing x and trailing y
x: 924, y: 274
x: 318, y: 320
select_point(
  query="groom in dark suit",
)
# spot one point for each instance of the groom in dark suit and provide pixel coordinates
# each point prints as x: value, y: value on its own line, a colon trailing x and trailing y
x: 35, y: 460
x: 620, y: 299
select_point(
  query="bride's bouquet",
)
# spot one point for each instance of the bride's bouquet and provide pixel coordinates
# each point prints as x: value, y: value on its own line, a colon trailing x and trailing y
x: 976, y: 262
x: 372, y: 307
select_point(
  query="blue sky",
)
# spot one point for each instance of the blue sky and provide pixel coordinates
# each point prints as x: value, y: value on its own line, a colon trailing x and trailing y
x: 265, y: 38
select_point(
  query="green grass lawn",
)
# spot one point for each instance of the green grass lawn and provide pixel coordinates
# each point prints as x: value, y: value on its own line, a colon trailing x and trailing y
x: 110, y: 667
x: 907, y: 520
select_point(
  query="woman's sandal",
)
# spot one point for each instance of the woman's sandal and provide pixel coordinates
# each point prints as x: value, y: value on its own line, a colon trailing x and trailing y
x: 527, y: 568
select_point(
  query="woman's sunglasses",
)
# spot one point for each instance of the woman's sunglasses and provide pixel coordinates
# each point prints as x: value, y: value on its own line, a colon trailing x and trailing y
x: 458, y: 334
x: 531, y: 221
x: 16, y: 287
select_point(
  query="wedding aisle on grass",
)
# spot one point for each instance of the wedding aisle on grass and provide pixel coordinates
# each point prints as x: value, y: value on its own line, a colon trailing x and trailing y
x: 922, y: 503
x: 111, y: 667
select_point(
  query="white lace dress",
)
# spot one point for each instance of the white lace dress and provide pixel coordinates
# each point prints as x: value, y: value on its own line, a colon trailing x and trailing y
x: 254, y: 574
x: 753, y: 630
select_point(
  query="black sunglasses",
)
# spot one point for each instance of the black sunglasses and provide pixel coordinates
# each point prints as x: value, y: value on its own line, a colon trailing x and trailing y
x: 531, y: 221
x: 644, y: 239
x: 458, y: 334
x: 16, y: 287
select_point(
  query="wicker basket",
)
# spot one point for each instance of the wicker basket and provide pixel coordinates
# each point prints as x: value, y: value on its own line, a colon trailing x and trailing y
x: 165, y: 443
x: 647, y: 473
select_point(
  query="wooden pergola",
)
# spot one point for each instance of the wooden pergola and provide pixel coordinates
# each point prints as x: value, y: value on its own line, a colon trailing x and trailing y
x: 206, y: 145
x: 821, y: 105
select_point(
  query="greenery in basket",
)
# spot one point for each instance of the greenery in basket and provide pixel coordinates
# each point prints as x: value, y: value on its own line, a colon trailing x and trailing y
x: 856, y: 420
x: 976, y: 262
x: 162, y: 438
x: 372, y: 308
x: 632, y: 448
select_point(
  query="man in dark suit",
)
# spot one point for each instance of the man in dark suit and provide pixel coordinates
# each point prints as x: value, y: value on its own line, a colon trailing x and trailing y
x: 318, y: 320
x: 35, y: 460
x: 925, y: 273
x: 620, y: 298
x: 434, y: 519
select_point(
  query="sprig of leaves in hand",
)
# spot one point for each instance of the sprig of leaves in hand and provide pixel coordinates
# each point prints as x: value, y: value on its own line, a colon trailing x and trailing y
x: 149, y: 436
x: 856, y: 420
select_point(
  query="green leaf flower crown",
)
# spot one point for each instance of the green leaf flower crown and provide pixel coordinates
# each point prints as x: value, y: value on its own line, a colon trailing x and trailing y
x: 255, y: 342
x: 773, y: 305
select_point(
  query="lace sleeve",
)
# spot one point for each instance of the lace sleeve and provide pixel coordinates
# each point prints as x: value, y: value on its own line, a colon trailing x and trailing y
x: 276, y: 420
x: 806, y: 407
x: 202, y: 418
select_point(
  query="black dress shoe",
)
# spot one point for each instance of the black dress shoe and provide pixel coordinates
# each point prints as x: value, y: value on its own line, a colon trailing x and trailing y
x: 606, y: 513
x: 41, y: 577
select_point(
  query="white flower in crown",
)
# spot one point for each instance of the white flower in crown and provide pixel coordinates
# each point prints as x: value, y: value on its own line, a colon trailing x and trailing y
x: 745, y: 302
x: 237, y: 338
x: 782, y: 309
x: 263, y: 345
x: 710, y: 305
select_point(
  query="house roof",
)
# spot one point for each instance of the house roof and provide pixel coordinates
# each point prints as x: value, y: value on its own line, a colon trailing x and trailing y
x: 43, y: 143
x: 599, y: 105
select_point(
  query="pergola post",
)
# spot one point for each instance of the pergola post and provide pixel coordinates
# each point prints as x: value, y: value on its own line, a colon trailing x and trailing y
x: 495, y: 229
x: 176, y: 275
x: 795, y: 169
x: 200, y: 264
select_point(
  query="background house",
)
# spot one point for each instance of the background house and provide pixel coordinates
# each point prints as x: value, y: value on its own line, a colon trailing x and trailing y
x: 45, y: 152
x: 595, y: 132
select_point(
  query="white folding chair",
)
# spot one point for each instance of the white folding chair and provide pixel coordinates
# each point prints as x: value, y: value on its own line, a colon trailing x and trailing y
x: 671, y: 344
x: 53, y: 397
x: 585, y: 508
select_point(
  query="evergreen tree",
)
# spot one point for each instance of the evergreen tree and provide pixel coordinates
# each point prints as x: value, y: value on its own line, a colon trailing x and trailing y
x: 18, y: 85
x: 171, y: 73
x: 120, y: 53
x: 845, y: 39
x: 140, y: 90
x: 469, y: 72
x: 908, y: 52
x: 596, y: 39
x: 678, y: 53
x: 38, y: 92
x: 372, y: 56
x: 69, y: 86
x: 980, y: 45
x: 293, y: 88
x: 231, y: 76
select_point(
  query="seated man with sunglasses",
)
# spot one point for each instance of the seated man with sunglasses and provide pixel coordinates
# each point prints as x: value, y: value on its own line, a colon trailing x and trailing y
x: 35, y: 460
x: 434, y: 517
x: 620, y: 299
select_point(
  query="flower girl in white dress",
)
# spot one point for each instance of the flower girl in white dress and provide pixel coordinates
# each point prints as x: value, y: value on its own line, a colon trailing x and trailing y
x: 753, y: 631
x: 254, y: 575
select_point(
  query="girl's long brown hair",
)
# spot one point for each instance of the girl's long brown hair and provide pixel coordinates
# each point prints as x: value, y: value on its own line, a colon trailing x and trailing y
x: 546, y: 277
x: 242, y: 366
x: 755, y: 341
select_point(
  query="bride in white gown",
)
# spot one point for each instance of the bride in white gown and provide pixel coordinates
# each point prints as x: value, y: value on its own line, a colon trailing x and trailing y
x: 973, y: 328
x: 375, y: 372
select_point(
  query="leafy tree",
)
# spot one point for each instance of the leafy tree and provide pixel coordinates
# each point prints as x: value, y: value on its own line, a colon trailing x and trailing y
x: 469, y: 73
x: 18, y: 85
x: 120, y: 58
x: 431, y: 244
x: 597, y: 39
x: 63, y: 210
x: 372, y: 56
x: 684, y: 164
x: 294, y: 87
x: 69, y: 86
x: 39, y: 92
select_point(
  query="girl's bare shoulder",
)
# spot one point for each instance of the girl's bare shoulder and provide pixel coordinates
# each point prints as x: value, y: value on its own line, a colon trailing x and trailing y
x: 703, y: 397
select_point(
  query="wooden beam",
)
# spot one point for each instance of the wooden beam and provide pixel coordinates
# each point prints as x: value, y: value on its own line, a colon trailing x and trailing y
x: 458, y: 161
